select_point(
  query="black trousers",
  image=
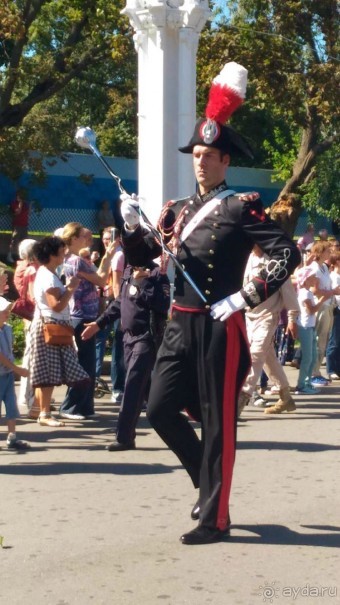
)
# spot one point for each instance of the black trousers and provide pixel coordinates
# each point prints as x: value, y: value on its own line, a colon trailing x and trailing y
x: 201, y: 366
x: 80, y: 399
x: 139, y: 358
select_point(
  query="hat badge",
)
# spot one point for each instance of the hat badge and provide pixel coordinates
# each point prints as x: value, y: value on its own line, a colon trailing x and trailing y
x: 209, y: 131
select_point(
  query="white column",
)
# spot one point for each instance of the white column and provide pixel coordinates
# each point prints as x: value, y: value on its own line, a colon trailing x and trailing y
x: 166, y: 40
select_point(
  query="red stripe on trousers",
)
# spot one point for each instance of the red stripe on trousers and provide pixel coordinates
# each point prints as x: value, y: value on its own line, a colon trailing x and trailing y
x: 234, y: 325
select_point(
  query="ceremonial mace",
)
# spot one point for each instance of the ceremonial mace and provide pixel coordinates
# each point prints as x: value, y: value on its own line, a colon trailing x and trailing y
x: 86, y: 138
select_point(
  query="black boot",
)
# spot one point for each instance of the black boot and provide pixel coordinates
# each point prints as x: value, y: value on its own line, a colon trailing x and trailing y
x: 115, y: 446
x: 205, y: 535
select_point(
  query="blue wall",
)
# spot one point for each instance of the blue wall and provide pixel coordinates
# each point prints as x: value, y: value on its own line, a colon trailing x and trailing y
x: 65, y: 196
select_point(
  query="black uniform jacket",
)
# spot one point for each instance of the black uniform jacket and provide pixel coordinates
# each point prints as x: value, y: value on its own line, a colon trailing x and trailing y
x: 216, y: 252
x: 136, y: 300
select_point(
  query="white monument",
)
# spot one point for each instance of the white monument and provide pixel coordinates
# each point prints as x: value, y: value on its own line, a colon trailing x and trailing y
x: 166, y: 40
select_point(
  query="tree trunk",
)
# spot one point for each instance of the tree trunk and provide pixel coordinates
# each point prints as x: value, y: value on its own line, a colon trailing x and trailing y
x: 287, y: 209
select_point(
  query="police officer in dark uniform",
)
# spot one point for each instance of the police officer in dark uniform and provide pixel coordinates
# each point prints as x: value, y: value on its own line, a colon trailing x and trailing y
x: 142, y: 305
x: 204, y: 357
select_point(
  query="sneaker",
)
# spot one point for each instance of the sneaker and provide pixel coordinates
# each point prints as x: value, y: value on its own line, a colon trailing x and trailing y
x: 71, y: 416
x: 116, y: 396
x: 16, y: 444
x: 334, y: 376
x: 319, y: 381
x: 259, y: 402
x: 274, y: 390
x: 307, y: 390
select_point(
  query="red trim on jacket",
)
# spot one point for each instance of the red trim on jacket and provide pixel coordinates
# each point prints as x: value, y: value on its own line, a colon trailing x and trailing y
x: 189, y: 309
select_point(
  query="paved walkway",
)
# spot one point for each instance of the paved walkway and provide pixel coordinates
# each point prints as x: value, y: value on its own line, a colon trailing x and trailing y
x: 85, y: 526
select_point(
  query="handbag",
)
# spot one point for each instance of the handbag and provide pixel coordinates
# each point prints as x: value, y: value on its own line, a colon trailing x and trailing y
x: 24, y: 308
x: 58, y: 334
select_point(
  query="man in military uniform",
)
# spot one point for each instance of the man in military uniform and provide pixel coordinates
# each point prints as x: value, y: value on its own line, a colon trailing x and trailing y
x: 204, y: 357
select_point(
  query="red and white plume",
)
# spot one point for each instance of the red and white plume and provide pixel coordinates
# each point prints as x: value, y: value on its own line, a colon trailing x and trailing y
x: 227, y: 92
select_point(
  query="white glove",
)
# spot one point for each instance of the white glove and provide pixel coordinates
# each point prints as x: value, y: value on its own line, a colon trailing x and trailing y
x: 129, y: 209
x: 227, y: 306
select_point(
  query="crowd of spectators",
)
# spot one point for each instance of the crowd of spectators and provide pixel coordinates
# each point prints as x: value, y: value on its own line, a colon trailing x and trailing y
x: 313, y: 322
x: 68, y: 281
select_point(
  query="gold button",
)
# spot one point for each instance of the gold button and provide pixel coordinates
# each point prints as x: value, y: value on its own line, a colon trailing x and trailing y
x: 213, y: 237
x: 211, y: 251
x: 191, y: 202
x: 207, y: 306
x: 216, y: 212
x: 207, y: 292
x: 209, y: 279
x: 215, y: 225
x: 210, y: 266
x: 186, y: 211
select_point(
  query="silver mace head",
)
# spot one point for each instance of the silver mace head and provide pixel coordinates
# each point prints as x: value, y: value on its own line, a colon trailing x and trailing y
x: 85, y: 137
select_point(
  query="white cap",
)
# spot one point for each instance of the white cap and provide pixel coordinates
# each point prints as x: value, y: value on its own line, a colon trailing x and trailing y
x: 4, y: 304
x: 59, y: 232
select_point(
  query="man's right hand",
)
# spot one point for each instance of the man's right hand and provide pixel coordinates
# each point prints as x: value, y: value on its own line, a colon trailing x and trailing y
x: 130, y: 210
x: 90, y: 330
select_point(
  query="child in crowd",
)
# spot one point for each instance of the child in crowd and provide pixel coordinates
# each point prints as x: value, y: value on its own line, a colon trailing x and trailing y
x: 7, y: 371
x: 306, y: 279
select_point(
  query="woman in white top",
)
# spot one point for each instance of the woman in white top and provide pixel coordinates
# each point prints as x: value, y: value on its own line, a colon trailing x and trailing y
x: 305, y: 278
x: 51, y: 365
x: 324, y: 319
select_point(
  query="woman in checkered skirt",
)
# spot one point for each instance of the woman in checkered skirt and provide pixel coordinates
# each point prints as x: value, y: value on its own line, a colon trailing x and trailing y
x: 52, y: 365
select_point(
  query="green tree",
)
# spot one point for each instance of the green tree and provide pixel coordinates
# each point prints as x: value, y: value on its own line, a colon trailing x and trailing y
x: 291, y: 51
x: 61, y: 64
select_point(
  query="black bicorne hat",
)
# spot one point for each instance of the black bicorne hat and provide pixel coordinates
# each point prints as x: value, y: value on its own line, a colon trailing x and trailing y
x: 212, y: 134
x: 226, y: 94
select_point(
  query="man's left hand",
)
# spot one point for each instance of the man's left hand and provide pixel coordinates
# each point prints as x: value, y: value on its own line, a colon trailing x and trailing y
x: 227, y: 306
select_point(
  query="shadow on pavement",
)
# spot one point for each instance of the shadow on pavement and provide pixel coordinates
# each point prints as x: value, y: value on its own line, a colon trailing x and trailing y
x: 67, y: 468
x: 283, y: 445
x: 281, y: 535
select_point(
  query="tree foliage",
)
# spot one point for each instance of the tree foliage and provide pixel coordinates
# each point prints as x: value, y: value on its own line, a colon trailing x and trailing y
x: 69, y: 63
x: 60, y: 63
x: 291, y: 51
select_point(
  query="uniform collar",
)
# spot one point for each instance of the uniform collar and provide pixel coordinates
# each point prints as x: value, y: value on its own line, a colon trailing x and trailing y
x: 209, y: 196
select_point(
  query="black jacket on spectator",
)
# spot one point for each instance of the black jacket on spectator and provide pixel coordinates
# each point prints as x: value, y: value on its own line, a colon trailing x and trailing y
x: 136, y: 301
